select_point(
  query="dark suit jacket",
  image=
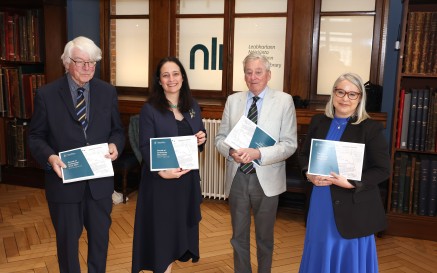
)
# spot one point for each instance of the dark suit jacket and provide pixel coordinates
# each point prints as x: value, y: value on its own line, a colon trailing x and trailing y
x: 358, y: 212
x: 54, y: 128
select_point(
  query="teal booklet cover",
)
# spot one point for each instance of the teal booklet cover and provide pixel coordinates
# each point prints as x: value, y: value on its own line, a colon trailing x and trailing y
x: 85, y: 163
x: 246, y: 134
x: 162, y: 154
x: 261, y: 139
x: 77, y: 165
x: 174, y: 152
x: 344, y: 158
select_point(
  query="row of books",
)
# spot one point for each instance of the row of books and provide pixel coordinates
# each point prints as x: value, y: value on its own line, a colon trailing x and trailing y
x: 421, y: 43
x: 18, y: 154
x: 417, y: 120
x: 17, y: 90
x: 414, y: 188
x: 19, y: 35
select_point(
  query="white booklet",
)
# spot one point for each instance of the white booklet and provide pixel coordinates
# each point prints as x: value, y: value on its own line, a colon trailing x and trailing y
x: 246, y: 134
x: 85, y: 163
x: 174, y: 152
x: 344, y: 158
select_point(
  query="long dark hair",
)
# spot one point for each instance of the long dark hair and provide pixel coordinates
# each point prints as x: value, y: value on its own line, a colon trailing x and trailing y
x: 157, y: 97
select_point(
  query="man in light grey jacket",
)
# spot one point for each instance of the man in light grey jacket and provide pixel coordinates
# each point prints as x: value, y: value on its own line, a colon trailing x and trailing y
x: 257, y: 187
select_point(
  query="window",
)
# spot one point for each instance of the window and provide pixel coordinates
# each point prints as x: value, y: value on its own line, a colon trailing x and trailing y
x: 345, y: 41
x: 309, y: 43
x: 204, y: 30
x: 129, y: 43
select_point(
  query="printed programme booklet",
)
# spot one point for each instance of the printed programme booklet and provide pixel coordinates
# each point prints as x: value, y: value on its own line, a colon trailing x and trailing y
x: 246, y: 134
x: 344, y: 158
x: 174, y: 152
x: 85, y: 163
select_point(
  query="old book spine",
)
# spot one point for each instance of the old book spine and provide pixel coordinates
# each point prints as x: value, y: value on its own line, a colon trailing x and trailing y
x: 425, y: 124
x: 418, y: 46
x: 407, y: 183
x: 405, y: 120
x: 10, y: 141
x: 432, y: 188
x: 3, y: 40
x: 412, y: 119
x: 423, y: 189
x: 424, y: 56
x: 409, y: 204
x: 3, y: 154
x: 430, y: 130
x: 433, y: 50
x: 20, y: 147
x: 409, y: 44
x: 400, y: 116
x: 417, y: 173
x: 402, y: 177
x: 395, y: 184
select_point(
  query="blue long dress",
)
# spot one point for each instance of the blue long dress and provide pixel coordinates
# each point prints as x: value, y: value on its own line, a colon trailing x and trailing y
x: 325, y: 251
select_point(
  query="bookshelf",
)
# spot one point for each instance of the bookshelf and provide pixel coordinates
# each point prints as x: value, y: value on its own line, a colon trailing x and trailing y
x: 32, y: 37
x: 412, y: 195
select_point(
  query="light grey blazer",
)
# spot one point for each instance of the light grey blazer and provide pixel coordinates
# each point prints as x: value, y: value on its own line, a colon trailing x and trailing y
x: 278, y: 118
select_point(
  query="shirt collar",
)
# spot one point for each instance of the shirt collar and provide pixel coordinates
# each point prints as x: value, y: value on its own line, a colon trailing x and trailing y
x: 74, y: 86
x: 261, y: 95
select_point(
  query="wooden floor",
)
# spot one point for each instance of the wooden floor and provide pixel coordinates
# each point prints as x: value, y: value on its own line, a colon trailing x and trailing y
x: 27, y: 239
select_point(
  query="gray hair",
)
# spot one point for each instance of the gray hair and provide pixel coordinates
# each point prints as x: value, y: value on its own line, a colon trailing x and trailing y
x: 360, y: 113
x: 256, y: 56
x: 84, y: 44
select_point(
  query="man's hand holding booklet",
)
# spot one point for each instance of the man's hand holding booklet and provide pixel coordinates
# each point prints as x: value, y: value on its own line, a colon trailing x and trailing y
x: 246, y: 134
x: 85, y: 163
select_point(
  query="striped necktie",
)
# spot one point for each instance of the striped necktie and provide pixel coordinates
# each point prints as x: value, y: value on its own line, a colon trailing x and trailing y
x: 253, y: 116
x: 81, y: 107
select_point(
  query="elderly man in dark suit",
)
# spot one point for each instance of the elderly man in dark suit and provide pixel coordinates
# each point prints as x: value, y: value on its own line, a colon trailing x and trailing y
x: 75, y: 111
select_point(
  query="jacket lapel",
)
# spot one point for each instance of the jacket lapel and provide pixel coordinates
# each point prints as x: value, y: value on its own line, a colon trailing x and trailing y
x: 64, y: 93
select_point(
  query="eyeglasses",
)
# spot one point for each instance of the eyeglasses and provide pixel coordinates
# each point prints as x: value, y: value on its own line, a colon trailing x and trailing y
x: 351, y: 94
x: 83, y: 64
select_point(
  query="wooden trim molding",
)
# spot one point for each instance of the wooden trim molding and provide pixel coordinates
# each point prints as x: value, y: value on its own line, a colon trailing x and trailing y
x: 213, y: 109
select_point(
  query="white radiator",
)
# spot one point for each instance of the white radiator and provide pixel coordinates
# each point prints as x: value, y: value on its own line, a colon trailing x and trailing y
x: 212, y: 164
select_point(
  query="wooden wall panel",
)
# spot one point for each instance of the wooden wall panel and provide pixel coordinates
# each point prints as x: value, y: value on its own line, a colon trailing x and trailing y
x: 301, y: 56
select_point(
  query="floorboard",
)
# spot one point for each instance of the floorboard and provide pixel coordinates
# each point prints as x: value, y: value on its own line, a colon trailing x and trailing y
x: 28, y: 243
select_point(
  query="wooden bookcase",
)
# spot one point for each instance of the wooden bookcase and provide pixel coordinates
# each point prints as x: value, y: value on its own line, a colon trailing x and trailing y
x: 410, y: 182
x: 42, y: 30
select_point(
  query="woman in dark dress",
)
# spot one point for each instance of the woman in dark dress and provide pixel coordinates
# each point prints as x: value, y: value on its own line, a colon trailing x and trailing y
x: 168, y: 206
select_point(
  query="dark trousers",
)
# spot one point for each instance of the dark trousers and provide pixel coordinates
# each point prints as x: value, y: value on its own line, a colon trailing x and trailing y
x: 246, y: 194
x: 69, y: 219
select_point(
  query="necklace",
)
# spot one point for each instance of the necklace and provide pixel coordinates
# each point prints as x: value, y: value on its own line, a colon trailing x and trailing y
x: 339, y: 124
x: 174, y: 106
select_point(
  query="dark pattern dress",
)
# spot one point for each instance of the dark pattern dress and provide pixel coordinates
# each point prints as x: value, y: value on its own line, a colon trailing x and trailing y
x: 167, y: 218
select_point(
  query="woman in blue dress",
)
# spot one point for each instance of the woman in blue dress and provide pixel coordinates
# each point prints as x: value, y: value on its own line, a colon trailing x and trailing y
x: 345, y: 214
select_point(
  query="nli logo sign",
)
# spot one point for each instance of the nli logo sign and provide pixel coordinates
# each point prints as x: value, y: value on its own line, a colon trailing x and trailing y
x: 206, y: 53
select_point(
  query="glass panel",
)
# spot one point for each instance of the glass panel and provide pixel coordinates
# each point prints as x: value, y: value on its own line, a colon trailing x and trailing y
x: 132, y: 52
x: 201, y: 52
x: 345, y: 46
x: 265, y: 36
x: 130, y: 7
x: 260, y: 6
x: 201, y: 7
x: 348, y: 5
